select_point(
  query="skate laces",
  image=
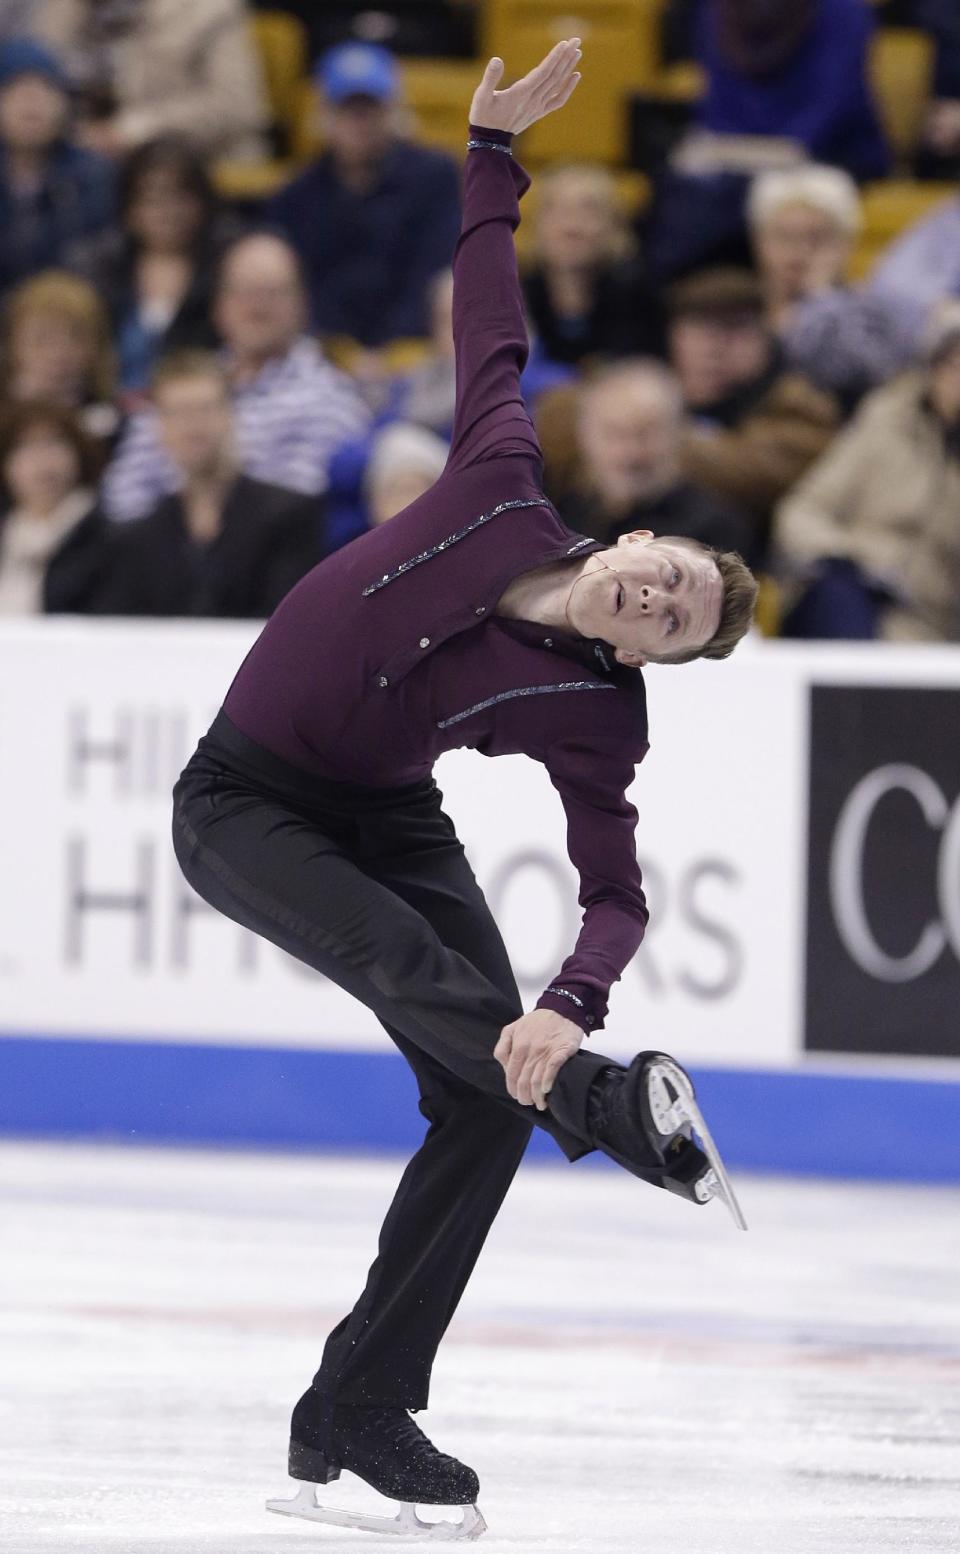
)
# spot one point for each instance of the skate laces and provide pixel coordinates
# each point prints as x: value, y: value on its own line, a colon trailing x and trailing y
x: 396, y: 1427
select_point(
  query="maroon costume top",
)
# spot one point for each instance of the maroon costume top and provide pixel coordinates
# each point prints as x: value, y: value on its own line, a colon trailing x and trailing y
x: 390, y: 651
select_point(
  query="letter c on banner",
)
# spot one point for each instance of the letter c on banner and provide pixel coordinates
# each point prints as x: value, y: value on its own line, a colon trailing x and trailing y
x: 846, y: 874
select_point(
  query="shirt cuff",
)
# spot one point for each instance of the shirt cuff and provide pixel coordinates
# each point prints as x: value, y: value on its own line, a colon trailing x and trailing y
x: 497, y: 137
x: 583, y: 1005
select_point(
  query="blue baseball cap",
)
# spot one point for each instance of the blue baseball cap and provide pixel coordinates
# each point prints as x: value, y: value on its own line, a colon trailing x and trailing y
x: 27, y: 57
x: 357, y: 70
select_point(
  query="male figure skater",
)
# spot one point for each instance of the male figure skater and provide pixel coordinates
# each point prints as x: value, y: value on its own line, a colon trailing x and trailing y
x: 309, y: 814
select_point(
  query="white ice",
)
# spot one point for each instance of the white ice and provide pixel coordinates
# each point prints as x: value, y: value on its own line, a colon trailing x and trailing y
x: 628, y: 1374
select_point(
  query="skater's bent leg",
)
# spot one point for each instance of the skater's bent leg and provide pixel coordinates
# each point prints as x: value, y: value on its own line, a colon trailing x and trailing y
x: 263, y: 865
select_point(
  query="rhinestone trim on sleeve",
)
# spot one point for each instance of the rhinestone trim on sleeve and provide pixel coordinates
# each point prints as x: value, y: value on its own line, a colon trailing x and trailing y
x: 524, y: 690
x: 452, y: 539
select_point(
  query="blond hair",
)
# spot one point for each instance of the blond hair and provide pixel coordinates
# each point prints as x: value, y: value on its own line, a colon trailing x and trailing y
x: 57, y: 294
x: 601, y: 186
x: 828, y: 190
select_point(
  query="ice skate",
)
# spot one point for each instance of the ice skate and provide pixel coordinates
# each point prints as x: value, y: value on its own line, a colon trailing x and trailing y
x: 672, y: 1144
x: 389, y: 1452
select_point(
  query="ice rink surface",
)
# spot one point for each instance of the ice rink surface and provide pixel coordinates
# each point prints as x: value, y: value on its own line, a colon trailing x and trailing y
x: 627, y: 1373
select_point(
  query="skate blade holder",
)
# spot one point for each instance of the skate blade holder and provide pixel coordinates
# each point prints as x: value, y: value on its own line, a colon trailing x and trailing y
x: 674, y: 1109
x: 406, y: 1525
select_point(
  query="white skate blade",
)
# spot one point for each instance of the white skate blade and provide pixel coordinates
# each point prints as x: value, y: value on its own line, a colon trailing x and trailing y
x: 683, y: 1114
x: 405, y: 1525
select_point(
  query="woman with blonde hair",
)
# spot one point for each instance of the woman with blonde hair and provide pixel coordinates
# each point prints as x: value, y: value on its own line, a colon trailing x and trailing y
x: 585, y: 290
x: 57, y: 347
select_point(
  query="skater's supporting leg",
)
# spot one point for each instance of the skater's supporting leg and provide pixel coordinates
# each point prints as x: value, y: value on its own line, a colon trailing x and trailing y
x: 449, y: 1195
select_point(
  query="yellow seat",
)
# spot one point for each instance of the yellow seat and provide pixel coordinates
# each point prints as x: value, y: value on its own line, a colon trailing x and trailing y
x: 888, y: 209
x: 621, y: 53
x: 900, y: 71
x: 437, y: 93
x: 281, y: 42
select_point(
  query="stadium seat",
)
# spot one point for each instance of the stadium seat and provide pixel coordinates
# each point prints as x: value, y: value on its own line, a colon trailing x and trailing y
x: 438, y: 93
x: 281, y: 41
x: 888, y: 209
x: 901, y: 74
x: 621, y: 39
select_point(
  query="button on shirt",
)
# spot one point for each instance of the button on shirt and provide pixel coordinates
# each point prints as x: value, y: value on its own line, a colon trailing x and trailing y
x: 391, y: 652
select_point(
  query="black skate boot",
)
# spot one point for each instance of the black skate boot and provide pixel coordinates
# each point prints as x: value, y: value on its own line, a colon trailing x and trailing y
x: 646, y: 1118
x: 389, y: 1452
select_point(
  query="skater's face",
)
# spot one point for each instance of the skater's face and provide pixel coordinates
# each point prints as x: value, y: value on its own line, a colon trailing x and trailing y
x: 650, y: 599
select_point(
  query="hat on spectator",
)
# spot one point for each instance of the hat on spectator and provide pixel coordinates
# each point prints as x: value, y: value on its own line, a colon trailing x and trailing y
x: 720, y: 294
x: 27, y: 57
x: 357, y: 70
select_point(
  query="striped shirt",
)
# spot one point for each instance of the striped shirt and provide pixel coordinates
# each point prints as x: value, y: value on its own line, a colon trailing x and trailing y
x: 290, y: 419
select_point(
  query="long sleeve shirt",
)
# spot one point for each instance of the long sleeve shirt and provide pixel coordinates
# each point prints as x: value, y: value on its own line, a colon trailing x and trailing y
x: 391, y: 651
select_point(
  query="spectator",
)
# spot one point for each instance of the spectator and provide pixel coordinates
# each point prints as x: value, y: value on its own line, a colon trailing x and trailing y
x: 155, y: 274
x: 759, y: 424
x: 788, y: 71
x: 293, y: 408
x: 920, y: 270
x: 145, y: 67
x: 425, y: 396
x: 405, y: 461
x: 57, y: 347
x: 51, y: 191
x: 223, y: 544
x: 873, y: 530
x: 374, y: 217
x: 626, y: 470
x: 54, y: 541
x: 803, y: 223
x: 585, y: 290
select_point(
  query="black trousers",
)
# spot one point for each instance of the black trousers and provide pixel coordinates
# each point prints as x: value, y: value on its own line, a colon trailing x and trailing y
x: 371, y: 887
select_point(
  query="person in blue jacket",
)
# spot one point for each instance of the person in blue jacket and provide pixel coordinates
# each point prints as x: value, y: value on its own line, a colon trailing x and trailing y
x: 791, y: 69
x: 375, y: 217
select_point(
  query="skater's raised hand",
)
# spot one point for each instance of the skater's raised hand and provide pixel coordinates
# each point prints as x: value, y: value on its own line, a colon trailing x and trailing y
x: 532, y: 1052
x: 541, y: 91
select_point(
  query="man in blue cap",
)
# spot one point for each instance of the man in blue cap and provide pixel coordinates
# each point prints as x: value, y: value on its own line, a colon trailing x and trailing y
x: 375, y: 217
x: 51, y: 192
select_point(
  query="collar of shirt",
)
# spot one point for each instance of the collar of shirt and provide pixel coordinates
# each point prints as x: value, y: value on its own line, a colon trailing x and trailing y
x: 591, y: 652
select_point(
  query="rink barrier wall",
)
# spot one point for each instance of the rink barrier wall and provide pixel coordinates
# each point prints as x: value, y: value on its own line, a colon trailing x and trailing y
x: 804, y: 1123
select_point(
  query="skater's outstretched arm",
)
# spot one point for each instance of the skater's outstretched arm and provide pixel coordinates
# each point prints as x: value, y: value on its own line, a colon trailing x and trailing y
x: 489, y: 328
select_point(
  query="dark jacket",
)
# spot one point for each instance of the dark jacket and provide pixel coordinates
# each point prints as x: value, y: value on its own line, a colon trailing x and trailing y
x: 626, y: 318
x: 77, y: 572
x: 268, y: 539
x: 391, y: 651
x: 369, y: 257
x: 76, y: 198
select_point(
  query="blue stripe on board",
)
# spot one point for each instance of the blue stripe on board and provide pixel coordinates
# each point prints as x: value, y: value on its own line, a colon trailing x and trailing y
x: 281, y: 1098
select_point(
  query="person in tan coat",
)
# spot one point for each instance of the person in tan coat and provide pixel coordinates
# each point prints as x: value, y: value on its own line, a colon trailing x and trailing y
x: 868, y: 544
x: 146, y: 67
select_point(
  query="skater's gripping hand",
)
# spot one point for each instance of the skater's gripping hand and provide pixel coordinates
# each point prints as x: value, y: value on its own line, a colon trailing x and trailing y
x: 532, y: 1051
x: 545, y: 88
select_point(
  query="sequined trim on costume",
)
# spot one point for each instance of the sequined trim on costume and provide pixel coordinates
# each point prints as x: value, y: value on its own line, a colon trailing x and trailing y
x: 525, y: 690
x: 599, y: 653
x: 564, y: 992
x: 451, y: 539
x: 578, y: 546
x: 488, y: 145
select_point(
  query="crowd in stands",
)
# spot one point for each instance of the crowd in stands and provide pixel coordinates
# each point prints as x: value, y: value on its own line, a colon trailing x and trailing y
x: 201, y: 396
